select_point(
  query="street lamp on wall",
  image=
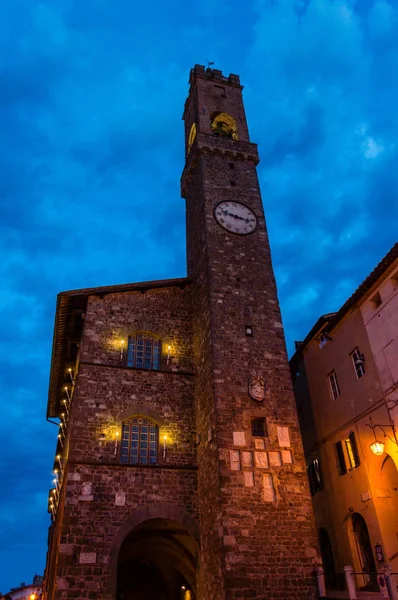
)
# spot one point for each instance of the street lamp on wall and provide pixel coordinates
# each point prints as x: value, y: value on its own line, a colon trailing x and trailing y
x: 377, y: 446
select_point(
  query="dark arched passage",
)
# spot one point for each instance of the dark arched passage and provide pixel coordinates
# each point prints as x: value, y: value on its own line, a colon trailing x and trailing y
x: 365, y: 552
x: 154, y: 555
x: 327, y: 559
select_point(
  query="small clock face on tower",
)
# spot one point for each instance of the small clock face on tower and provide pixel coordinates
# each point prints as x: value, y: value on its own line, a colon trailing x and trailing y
x: 235, y: 217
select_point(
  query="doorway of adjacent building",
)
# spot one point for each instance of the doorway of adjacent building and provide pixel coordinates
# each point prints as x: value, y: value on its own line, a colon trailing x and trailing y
x: 157, y: 560
x: 365, y: 553
x: 327, y: 559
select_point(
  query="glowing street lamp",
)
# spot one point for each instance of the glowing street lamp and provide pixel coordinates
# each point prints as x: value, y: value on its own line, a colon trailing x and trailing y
x: 377, y: 447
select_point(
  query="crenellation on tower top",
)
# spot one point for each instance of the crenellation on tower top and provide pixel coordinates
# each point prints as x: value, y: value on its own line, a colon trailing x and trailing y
x: 208, y: 73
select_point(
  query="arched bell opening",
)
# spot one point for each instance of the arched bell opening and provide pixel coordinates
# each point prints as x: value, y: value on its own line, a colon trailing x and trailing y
x: 157, y: 559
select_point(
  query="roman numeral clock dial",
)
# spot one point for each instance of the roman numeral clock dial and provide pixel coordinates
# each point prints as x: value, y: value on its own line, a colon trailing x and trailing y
x: 235, y: 217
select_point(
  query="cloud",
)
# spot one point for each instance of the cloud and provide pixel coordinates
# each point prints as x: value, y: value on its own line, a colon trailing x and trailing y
x: 91, y: 153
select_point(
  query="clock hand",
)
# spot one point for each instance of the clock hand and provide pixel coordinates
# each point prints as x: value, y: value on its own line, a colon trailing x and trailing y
x: 235, y: 216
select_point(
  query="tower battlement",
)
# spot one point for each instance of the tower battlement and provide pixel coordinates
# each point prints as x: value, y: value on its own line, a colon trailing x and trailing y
x: 208, y: 73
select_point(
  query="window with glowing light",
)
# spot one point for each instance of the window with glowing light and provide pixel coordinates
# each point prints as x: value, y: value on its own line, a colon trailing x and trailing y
x: 140, y: 441
x: 352, y: 451
x: 144, y: 351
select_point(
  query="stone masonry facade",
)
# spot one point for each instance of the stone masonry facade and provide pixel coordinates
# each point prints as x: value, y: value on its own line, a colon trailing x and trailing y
x: 241, y: 495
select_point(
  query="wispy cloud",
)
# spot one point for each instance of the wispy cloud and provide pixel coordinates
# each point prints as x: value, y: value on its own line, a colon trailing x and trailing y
x: 91, y: 151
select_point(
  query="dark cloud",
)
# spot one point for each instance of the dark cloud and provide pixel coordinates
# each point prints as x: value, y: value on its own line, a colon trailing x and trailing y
x: 91, y: 152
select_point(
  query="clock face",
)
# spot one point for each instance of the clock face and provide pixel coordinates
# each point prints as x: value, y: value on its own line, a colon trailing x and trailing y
x: 235, y: 217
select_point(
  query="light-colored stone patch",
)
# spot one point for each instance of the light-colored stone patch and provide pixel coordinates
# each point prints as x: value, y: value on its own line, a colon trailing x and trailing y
x: 88, y: 558
x: 247, y: 459
x: 248, y: 477
x: 120, y: 499
x: 239, y: 438
x: 66, y: 548
x: 86, y: 495
x: 283, y: 437
x: 87, y: 489
x: 234, y: 458
x: 262, y: 460
x: 74, y: 476
x: 259, y: 444
x: 382, y: 493
x: 268, y: 485
x: 62, y: 584
x: 274, y: 459
x: 366, y: 495
x: 287, y: 457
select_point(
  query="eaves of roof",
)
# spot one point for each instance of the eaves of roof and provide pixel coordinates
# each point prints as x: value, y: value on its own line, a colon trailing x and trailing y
x: 333, y: 319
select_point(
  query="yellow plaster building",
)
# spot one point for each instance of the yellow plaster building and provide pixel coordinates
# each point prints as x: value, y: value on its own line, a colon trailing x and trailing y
x: 345, y: 377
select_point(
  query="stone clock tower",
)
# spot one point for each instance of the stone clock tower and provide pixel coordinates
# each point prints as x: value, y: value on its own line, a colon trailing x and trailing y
x: 179, y: 471
x: 256, y: 522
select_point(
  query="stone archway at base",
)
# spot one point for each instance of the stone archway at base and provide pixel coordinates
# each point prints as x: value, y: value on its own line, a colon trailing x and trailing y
x: 154, y: 555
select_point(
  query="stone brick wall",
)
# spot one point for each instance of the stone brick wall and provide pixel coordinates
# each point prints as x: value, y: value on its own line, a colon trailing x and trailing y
x: 99, y: 495
x: 258, y: 523
x: 93, y: 525
x: 166, y: 312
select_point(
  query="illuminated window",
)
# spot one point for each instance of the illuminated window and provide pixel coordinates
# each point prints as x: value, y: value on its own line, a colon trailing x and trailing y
x: 144, y: 351
x: 139, y: 442
x: 352, y: 451
x: 334, y: 385
x: 223, y: 125
x: 314, y: 476
x: 358, y: 361
x: 347, y: 454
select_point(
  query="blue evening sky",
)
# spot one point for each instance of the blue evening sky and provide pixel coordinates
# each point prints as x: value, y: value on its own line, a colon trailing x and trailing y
x: 91, y: 152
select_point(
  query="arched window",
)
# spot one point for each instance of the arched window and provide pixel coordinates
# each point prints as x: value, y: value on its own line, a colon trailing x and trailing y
x: 144, y: 351
x: 139, y: 442
x: 192, y: 136
x: 223, y: 125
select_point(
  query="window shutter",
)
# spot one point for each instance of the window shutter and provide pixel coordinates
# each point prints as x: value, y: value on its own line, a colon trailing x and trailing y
x: 340, y: 458
x: 354, y: 449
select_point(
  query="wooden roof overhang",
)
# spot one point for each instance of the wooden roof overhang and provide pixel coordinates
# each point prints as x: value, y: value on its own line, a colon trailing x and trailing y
x: 386, y: 265
x: 68, y: 329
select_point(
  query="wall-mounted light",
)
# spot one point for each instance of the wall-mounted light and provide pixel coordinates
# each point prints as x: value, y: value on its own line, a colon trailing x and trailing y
x: 116, y: 441
x: 58, y: 457
x: 121, y: 350
x: 71, y: 376
x: 164, y: 447
x: 65, y: 403
x: 168, y: 354
x: 67, y: 392
x: 60, y: 440
x: 377, y: 446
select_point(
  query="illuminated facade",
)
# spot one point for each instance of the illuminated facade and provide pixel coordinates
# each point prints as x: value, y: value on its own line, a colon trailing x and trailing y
x: 31, y: 591
x: 179, y: 470
x: 346, y: 384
